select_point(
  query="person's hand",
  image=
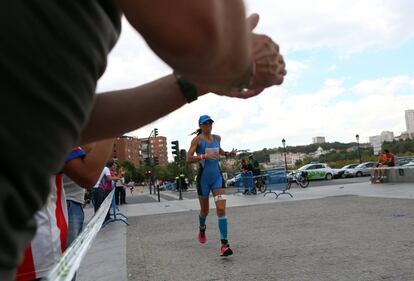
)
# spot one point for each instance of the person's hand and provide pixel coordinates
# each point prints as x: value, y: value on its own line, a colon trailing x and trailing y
x: 269, y: 65
x: 232, y: 153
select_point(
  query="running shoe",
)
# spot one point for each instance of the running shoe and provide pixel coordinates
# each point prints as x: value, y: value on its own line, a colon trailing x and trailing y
x: 202, y: 236
x: 225, y: 250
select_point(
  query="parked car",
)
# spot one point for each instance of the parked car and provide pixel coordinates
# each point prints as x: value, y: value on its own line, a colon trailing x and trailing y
x: 345, y: 171
x: 363, y: 169
x: 401, y: 161
x: 318, y: 171
x: 409, y: 164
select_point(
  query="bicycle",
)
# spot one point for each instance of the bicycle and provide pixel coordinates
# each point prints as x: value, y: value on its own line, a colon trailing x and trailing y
x: 300, y: 178
x: 260, y: 183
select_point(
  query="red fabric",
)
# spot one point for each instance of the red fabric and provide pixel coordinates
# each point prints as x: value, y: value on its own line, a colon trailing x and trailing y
x: 60, y: 217
x: 26, y: 270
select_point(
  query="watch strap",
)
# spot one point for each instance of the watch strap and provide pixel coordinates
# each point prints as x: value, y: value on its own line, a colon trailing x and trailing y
x: 188, y: 89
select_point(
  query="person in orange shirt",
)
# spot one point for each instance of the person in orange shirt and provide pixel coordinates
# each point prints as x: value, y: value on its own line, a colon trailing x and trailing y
x: 379, y: 172
x: 390, y: 158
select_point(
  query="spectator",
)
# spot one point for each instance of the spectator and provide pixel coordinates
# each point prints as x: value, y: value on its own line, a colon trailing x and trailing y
x: 51, y: 78
x: 243, y: 166
x: 131, y: 186
x: 390, y: 162
x: 120, y: 193
x: 59, y: 223
x: 254, y: 167
x: 379, y: 171
x: 385, y: 160
x: 104, y: 186
x: 82, y: 170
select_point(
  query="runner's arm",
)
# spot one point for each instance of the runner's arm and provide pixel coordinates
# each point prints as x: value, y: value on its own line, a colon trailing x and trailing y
x: 191, y: 158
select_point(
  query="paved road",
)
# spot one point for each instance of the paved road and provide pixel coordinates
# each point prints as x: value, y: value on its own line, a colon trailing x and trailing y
x: 341, y: 232
x: 141, y: 195
x: 337, y: 181
x: 335, y: 238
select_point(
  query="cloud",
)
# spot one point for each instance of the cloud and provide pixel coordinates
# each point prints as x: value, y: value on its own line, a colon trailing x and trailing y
x: 264, y: 120
x: 332, y: 67
x: 336, y: 111
x: 295, y: 69
x: 131, y: 62
x: 385, y: 86
x: 347, y: 25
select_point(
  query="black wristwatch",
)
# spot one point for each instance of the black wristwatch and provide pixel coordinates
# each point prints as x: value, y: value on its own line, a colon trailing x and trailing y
x: 188, y: 89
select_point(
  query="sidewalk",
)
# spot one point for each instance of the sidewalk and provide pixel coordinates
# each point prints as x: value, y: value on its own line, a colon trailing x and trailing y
x: 159, y: 244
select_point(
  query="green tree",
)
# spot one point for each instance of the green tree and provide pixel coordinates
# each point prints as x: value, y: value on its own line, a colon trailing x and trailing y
x: 132, y: 173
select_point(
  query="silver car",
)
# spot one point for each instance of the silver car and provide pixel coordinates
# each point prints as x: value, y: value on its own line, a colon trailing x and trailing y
x: 364, y: 169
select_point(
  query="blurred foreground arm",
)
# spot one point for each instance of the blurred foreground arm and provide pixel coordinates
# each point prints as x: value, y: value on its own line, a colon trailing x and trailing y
x: 208, y: 42
x: 118, y: 112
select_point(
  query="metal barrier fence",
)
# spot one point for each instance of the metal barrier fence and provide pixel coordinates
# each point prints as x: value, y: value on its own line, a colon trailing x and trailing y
x: 66, y: 268
x: 245, y: 184
x: 276, y: 180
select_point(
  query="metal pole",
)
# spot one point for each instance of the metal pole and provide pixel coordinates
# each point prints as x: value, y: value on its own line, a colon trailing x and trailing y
x: 180, y: 188
x: 284, y: 152
x: 149, y: 160
x: 158, y: 191
x: 359, y: 151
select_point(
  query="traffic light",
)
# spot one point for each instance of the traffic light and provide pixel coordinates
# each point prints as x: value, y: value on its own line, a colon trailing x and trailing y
x: 175, y: 151
x: 148, y: 173
x: 155, y: 132
x: 183, y: 155
x: 156, y: 161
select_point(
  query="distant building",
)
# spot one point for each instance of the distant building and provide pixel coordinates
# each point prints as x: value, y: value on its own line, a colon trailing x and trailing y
x: 387, y: 136
x: 319, y: 151
x: 278, y: 159
x: 352, y: 148
x: 318, y: 140
x: 403, y: 136
x: 127, y: 149
x: 376, y: 143
x: 156, y: 148
x: 409, y: 122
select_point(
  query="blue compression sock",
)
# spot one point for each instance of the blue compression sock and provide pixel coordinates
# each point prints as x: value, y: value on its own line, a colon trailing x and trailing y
x: 222, y: 223
x: 202, y: 221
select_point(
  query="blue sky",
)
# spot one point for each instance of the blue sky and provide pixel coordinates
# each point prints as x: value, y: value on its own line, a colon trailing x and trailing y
x: 366, y: 65
x: 350, y: 70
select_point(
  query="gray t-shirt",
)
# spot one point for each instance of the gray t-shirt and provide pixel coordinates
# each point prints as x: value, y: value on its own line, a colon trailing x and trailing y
x: 52, y: 54
x: 73, y: 191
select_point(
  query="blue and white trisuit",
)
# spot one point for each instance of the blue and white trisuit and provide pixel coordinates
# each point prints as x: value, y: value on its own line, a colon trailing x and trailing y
x: 209, y: 176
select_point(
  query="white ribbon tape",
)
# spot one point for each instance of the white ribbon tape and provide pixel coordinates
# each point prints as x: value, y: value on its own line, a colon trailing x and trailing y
x: 66, y: 268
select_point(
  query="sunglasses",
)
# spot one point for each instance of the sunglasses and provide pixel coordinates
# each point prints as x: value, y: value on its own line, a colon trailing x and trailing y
x: 207, y: 123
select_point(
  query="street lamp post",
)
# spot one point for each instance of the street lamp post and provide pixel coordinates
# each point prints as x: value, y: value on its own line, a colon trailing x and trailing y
x: 359, y: 150
x: 153, y: 133
x: 284, y: 152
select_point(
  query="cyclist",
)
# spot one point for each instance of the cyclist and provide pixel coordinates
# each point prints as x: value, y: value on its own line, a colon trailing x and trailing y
x: 207, y: 147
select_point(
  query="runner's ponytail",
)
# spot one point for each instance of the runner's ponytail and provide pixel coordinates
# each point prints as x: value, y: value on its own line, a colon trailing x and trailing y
x: 196, y: 132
